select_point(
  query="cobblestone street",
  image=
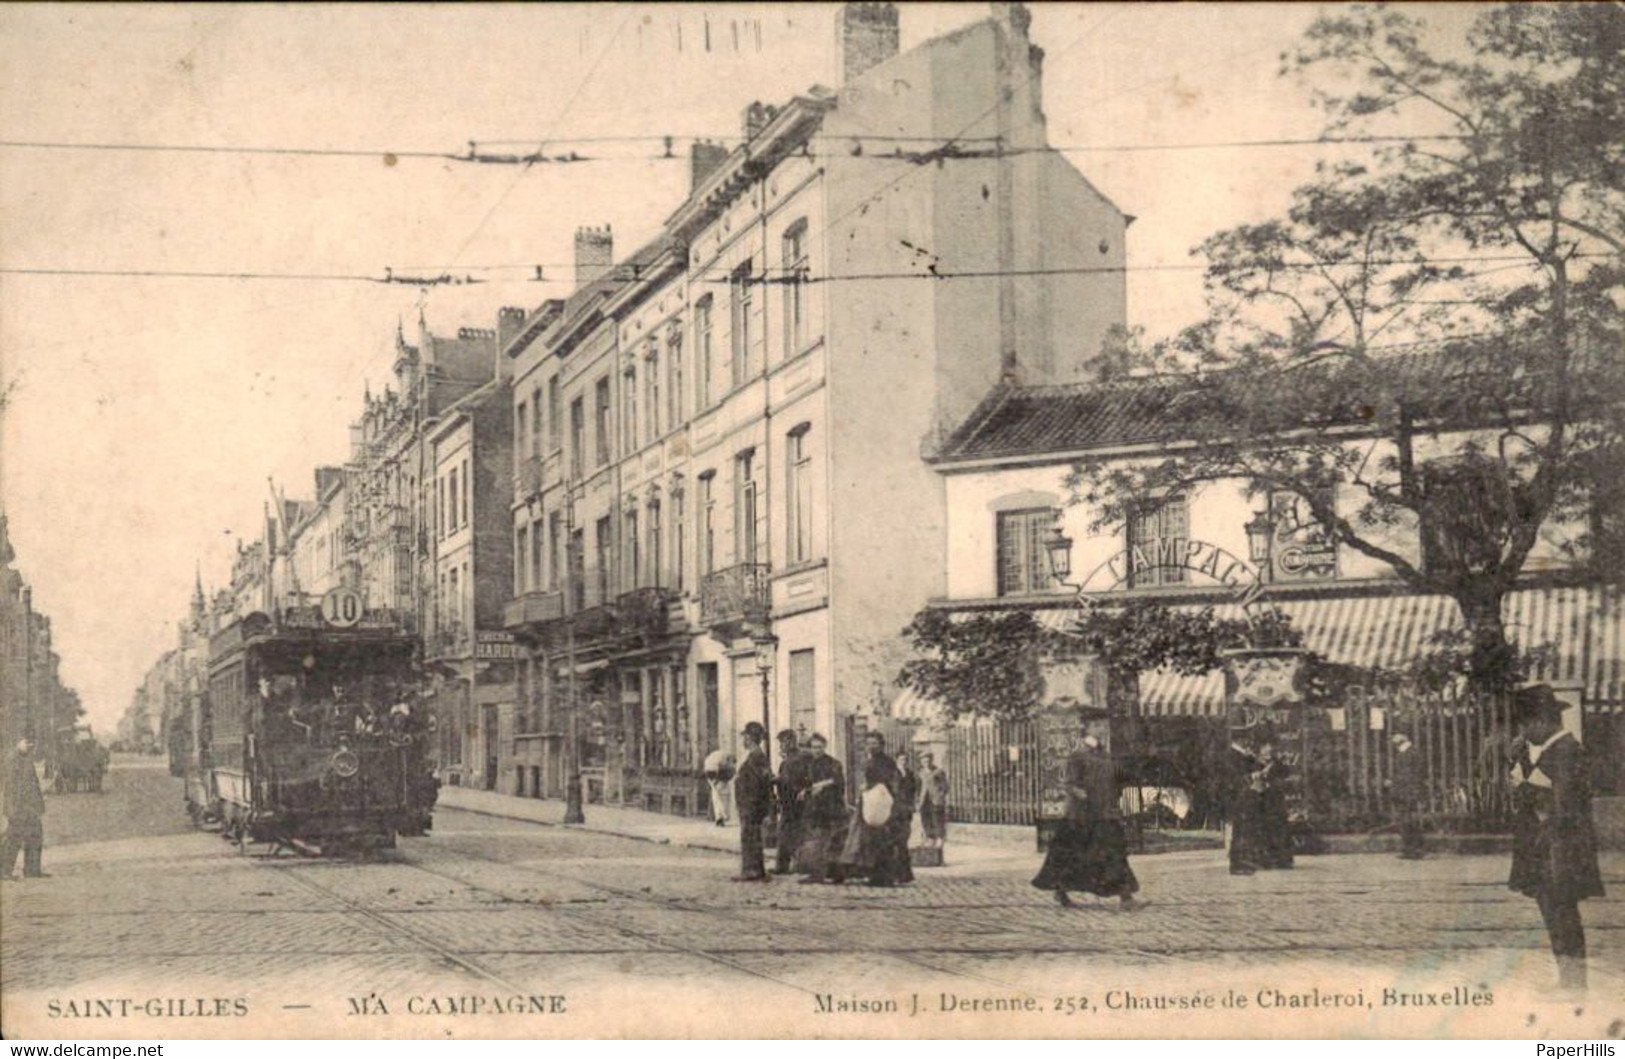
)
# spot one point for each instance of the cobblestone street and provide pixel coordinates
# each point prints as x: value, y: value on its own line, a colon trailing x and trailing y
x: 490, y: 908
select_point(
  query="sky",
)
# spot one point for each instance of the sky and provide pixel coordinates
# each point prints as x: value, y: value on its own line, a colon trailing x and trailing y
x: 146, y: 414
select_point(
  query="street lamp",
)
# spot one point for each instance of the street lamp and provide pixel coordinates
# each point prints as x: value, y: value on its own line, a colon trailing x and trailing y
x: 1260, y: 535
x: 1059, y: 546
x: 573, y: 813
x: 766, y: 654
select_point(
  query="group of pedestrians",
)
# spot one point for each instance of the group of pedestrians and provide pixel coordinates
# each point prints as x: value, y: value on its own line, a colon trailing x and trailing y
x: 820, y: 836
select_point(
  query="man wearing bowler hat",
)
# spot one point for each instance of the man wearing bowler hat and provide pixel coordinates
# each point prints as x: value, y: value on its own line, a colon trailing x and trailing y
x: 1554, y: 845
x: 753, y: 798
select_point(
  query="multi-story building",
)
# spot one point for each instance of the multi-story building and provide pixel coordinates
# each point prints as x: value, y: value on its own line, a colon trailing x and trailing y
x: 470, y: 654
x: 720, y: 499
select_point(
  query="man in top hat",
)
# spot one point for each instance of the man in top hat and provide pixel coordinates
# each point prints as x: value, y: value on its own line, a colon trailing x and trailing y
x: 791, y: 783
x: 25, y: 809
x: 1554, y: 845
x: 753, y: 799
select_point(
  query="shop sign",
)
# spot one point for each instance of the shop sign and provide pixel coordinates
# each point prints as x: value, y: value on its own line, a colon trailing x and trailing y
x: 495, y: 645
x: 1264, y: 678
x: 1060, y: 735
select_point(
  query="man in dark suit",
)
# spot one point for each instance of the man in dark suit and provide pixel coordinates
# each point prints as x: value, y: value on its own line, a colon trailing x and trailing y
x: 1408, y: 787
x: 1554, y: 843
x: 787, y: 790
x: 753, y: 799
x: 25, y: 810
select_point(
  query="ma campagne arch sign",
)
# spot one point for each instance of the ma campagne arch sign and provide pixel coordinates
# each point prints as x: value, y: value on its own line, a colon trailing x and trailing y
x: 1257, y: 680
x: 1180, y: 553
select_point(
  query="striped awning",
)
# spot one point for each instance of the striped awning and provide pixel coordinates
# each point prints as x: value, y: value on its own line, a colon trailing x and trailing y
x: 911, y: 705
x: 1583, y: 626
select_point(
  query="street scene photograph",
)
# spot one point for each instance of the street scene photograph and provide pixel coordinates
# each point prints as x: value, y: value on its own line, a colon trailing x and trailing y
x: 796, y: 521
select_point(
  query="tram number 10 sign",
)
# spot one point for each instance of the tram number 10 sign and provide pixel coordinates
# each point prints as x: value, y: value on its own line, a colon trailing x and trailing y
x: 342, y: 608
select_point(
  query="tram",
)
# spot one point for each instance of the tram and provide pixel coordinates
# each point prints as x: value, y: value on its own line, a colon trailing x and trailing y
x: 311, y: 736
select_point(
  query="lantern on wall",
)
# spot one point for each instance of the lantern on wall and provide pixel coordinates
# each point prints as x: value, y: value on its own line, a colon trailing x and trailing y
x: 1059, y: 547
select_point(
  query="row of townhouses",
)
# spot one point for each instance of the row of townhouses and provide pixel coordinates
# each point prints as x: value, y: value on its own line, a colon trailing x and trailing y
x: 34, y: 703
x: 714, y: 483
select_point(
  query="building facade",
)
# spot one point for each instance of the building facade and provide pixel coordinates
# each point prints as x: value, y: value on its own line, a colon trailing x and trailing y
x: 1220, y: 546
x: 721, y: 511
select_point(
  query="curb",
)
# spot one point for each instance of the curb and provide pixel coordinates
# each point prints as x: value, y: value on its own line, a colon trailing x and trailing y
x: 654, y: 840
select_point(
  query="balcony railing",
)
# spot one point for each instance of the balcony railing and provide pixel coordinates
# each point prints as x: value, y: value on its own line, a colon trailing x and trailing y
x: 532, y: 608
x: 734, y: 597
x: 645, y: 613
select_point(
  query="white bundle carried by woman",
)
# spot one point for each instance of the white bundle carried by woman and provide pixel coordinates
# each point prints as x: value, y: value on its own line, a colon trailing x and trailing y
x: 877, y: 803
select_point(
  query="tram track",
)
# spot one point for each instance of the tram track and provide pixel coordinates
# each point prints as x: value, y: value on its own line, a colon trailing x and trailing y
x: 298, y: 870
x: 709, y: 954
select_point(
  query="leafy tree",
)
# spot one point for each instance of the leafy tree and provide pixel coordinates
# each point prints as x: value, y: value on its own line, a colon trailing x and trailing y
x: 992, y: 665
x: 1429, y: 336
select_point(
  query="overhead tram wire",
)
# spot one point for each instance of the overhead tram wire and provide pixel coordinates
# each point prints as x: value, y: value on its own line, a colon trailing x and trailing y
x: 935, y: 149
x: 789, y: 278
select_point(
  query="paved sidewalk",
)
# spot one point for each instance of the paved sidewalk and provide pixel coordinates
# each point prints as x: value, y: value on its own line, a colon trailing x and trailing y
x: 990, y: 847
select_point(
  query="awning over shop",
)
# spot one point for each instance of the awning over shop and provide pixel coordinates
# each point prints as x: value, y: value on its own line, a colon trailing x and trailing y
x: 1583, y: 627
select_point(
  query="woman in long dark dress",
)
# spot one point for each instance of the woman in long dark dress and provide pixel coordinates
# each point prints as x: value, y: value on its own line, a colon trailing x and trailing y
x: 876, y: 852
x: 1089, y: 851
x: 1244, y: 810
x: 1275, y: 825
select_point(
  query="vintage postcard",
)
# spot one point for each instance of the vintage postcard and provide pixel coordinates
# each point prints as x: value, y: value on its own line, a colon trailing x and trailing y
x: 812, y: 520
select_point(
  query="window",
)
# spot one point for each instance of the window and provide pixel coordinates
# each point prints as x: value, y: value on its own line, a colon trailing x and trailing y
x: 798, y: 496
x: 674, y: 387
x: 439, y: 506
x: 606, y: 556
x: 521, y: 548
x: 578, y: 437
x: 678, y: 549
x: 468, y: 487
x: 454, y: 604
x: 601, y: 415
x: 630, y: 545
x: 536, y: 422
x: 553, y: 412
x: 651, y: 386
x: 803, y: 693
x: 577, y: 567
x: 629, y: 411
x: 739, y: 298
x: 795, y: 296
x: 521, y: 424
x: 708, y: 523
x: 537, y: 547
x: 703, y: 349
x: 745, y: 507
x: 1156, y: 543
x: 451, y: 521
x: 656, y: 574
x: 1023, y: 559
x: 555, y: 537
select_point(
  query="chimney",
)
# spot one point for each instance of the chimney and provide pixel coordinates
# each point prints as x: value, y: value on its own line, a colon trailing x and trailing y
x: 595, y: 253
x: 865, y: 34
x: 510, y: 321
x: 704, y: 158
x: 756, y: 118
